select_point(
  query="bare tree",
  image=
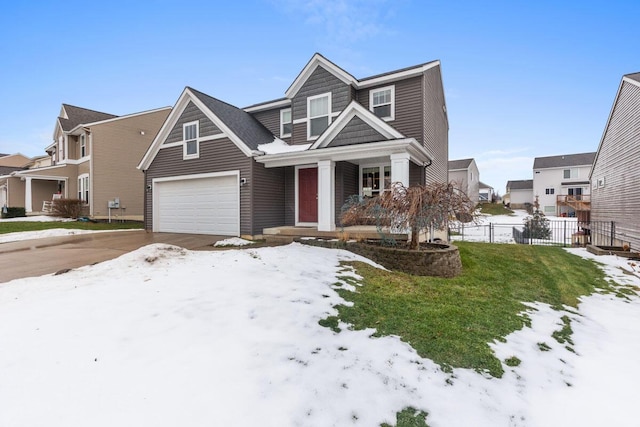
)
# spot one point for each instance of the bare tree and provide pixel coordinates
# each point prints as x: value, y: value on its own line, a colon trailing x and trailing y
x: 418, y: 208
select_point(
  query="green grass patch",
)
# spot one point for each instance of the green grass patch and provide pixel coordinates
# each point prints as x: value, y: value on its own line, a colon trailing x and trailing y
x: 409, y: 417
x: 19, y: 226
x: 512, y: 361
x: 451, y: 321
x: 494, y: 209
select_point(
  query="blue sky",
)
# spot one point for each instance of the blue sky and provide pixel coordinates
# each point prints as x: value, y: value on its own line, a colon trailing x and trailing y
x: 522, y: 79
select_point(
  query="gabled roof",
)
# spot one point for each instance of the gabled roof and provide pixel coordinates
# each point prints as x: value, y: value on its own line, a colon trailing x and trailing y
x: 582, y: 159
x: 354, y: 109
x: 6, y: 170
x: 244, y: 125
x: 633, y: 76
x: 315, y: 61
x: 319, y: 60
x: 523, y: 184
x: 240, y: 127
x: 459, y: 164
x: 483, y: 185
x: 72, y: 116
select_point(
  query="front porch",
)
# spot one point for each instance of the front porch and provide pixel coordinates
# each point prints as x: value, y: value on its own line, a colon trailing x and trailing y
x: 288, y: 234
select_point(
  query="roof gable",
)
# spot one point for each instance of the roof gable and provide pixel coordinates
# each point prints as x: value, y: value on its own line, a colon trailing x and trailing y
x: 240, y: 127
x: 72, y: 116
x: 459, y: 164
x: 523, y: 184
x: 354, y: 109
x: 315, y: 61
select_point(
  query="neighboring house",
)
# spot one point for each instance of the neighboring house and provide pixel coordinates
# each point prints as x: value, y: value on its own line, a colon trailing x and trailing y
x: 519, y: 193
x: 561, y: 184
x: 218, y: 169
x: 615, y: 194
x: 485, y: 192
x: 14, y: 160
x: 464, y: 175
x: 93, y: 158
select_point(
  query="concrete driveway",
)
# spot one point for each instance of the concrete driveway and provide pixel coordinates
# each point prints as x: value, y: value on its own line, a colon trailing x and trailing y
x: 49, y: 255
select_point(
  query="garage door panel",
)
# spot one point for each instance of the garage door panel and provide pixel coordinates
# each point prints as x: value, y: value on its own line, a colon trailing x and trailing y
x: 202, y: 205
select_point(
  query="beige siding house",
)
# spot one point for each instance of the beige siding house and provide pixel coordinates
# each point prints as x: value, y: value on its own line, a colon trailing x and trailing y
x: 615, y: 194
x: 93, y: 158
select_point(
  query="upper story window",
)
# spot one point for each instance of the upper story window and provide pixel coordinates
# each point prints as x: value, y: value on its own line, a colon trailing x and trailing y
x: 382, y: 102
x: 285, y: 123
x: 191, y: 148
x: 570, y: 173
x: 83, y: 145
x: 318, y: 110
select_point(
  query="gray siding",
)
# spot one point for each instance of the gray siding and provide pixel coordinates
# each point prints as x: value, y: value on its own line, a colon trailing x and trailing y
x: 190, y: 114
x: 408, y: 106
x: 436, y: 126
x: 271, y: 120
x: 320, y: 81
x: 416, y: 174
x: 356, y: 132
x: 268, y: 188
x: 215, y: 156
x: 618, y: 162
x: 346, y: 185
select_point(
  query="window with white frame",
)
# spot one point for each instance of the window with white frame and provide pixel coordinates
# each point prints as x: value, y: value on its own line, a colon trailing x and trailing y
x: 570, y: 173
x: 382, y: 102
x: 191, y: 148
x: 83, y: 145
x: 318, y: 110
x: 374, y: 179
x: 285, y: 123
x: 83, y: 188
x: 549, y: 191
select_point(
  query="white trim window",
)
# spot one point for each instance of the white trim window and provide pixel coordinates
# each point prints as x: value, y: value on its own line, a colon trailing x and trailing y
x: 319, y: 114
x: 191, y: 146
x: 549, y: 191
x: 83, y: 145
x: 382, y: 102
x: 570, y: 173
x: 374, y: 179
x: 286, y: 123
x: 83, y: 188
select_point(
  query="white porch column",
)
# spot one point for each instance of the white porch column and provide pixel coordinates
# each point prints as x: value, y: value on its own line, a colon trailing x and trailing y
x: 27, y: 194
x: 400, y: 168
x: 326, y: 195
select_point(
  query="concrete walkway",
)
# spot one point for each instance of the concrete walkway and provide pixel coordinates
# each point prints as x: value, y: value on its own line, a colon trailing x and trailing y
x: 37, y: 257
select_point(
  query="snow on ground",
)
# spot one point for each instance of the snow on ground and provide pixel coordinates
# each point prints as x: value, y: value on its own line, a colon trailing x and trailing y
x: 233, y: 241
x: 163, y: 336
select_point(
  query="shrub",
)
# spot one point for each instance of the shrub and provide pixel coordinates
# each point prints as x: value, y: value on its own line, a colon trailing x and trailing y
x: 14, y: 213
x: 68, y: 208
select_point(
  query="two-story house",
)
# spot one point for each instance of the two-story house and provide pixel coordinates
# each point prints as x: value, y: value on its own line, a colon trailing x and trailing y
x: 615, y: 175
x: 218, y: 169
x: 561, y: 184
x: 93, y: 158
x: 465, y: 176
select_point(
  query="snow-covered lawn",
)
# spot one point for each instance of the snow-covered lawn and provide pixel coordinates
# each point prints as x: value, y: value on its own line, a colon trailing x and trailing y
x: 167, y: 337
x: 52, y: 232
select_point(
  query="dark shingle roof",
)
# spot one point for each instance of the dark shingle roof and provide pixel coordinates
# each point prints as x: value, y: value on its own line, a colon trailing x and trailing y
x: 582, y: 159
x: 78, y: 116
x: 459, y: 164
x: 6, y: 170
x: 523, y: 184
x: 483, y: 185
x: 634, y: 76
x: 241, y: 123
x: 396, y: 71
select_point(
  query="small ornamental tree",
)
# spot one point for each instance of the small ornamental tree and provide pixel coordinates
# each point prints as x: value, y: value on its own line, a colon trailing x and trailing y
x: 417, y: 208
x: 536, y: 226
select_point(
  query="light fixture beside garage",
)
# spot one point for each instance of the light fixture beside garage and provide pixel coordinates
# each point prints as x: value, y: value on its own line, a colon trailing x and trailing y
x: 243, y: 181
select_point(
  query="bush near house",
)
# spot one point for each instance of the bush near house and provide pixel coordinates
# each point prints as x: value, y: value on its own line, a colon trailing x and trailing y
x: 68, y: 208
x: 14, y: 212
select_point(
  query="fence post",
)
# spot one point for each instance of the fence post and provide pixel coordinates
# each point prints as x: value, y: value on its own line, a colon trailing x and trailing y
x: 564, y: 234
x: 490, y: 232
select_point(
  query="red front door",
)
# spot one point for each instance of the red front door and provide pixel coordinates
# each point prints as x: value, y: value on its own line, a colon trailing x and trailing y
x: 308, y: 195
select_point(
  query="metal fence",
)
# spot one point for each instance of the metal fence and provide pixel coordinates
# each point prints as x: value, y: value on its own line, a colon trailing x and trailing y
x: 569, y: 232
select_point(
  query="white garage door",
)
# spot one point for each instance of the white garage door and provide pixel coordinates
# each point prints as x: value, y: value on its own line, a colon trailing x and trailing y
x: 207, y: 205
